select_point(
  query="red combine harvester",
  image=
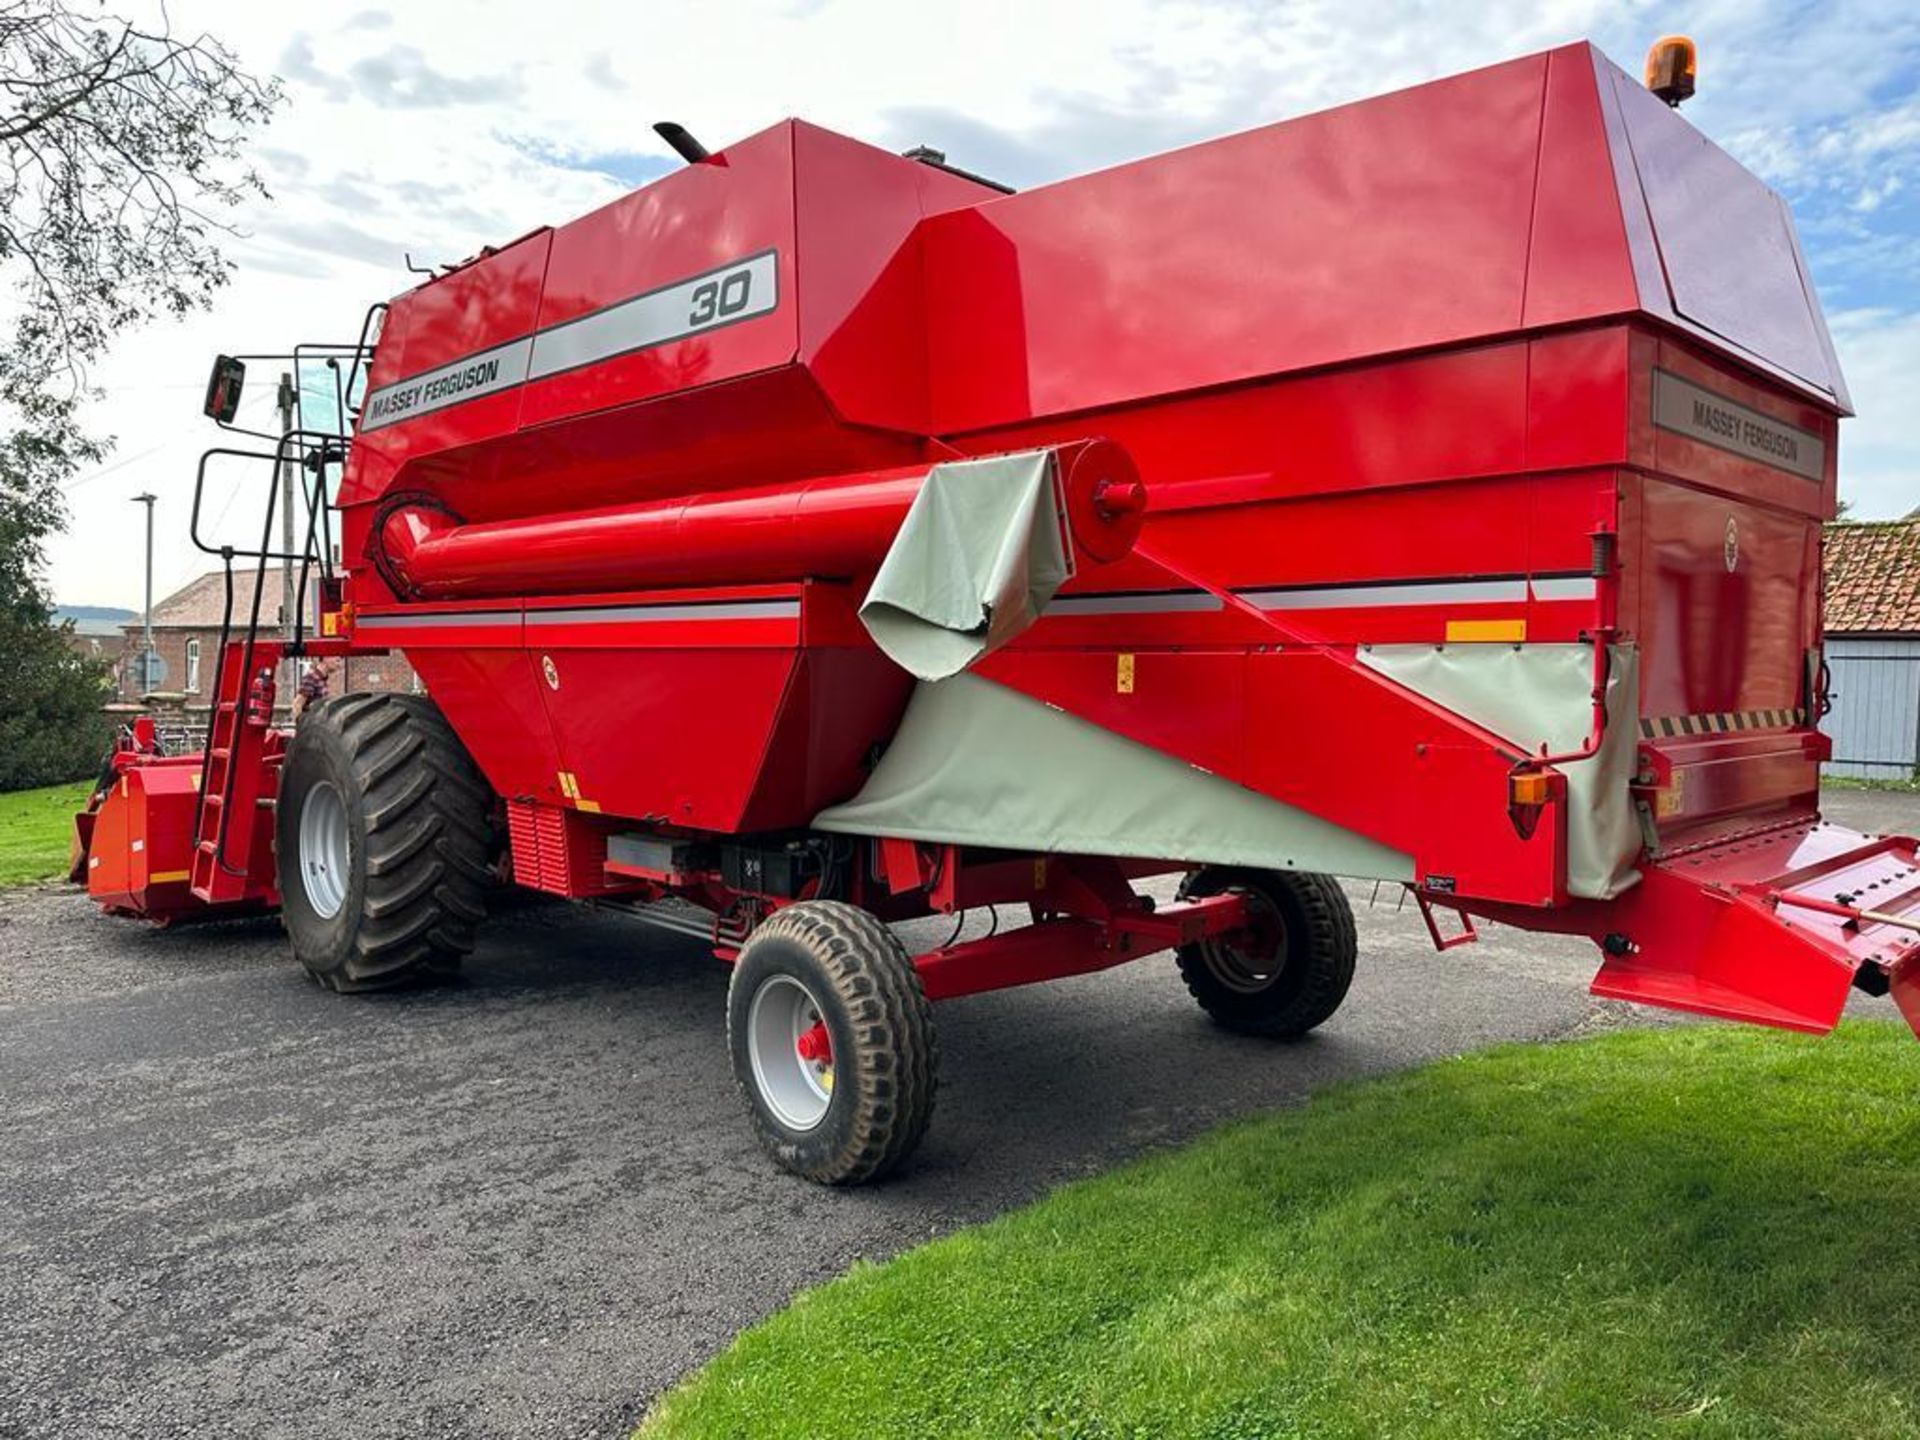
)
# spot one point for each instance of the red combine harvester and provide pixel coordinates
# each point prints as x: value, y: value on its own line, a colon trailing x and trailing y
x: 1425, y: 491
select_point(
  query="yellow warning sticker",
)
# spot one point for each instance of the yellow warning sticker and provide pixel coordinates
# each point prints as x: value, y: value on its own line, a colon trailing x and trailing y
x: 1123, y: 675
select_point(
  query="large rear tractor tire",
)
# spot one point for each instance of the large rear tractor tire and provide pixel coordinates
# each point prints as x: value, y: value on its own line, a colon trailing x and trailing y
x: 832, y: 1041
x: 383, y: 836
x: 1290, y: 969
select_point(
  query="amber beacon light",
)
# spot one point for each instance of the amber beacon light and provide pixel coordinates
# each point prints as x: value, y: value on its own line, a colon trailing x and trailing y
x: 1671, y: 62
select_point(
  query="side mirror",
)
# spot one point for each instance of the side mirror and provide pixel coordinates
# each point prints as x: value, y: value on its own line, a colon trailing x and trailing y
x: 223, y: 389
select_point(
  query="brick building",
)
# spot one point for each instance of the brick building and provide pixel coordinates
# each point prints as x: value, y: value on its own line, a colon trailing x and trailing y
x: 186, y: 635
x: 96, y: 639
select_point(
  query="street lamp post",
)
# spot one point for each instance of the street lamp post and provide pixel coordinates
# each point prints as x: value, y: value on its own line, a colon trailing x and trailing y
x: 146, y: 651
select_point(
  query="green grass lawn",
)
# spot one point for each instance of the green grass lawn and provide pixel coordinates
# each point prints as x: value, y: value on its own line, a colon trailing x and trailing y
x: 1700, y: 1231
x: 35, y: 826
x: 1899, y: 786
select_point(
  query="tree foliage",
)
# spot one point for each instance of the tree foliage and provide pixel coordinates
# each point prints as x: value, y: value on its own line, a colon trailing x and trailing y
x: 118, y: 145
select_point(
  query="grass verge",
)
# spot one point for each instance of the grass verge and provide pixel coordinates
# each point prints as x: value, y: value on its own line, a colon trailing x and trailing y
x: 1683, y: 1232
x: 1902, y: 786
x: 35, y: 826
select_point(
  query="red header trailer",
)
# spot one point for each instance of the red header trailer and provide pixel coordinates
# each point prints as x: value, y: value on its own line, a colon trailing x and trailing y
x: 1425, y: 491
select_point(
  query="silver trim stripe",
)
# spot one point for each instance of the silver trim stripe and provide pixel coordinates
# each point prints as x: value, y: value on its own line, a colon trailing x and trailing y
x: 435, y: 619
x: 1505, y: 590
x: 1350, y: 597
x: 586, y: 615
x: 740, y: 291
x: 636, y: 614
x: 1159, y: 603
x: 725, y: 295
x: 1156, y: 602
x: 1565, y: 587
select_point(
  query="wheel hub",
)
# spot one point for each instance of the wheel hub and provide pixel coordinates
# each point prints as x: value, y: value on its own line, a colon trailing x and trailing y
x: 791, y: 1052
x: 1250, y: 959
x: 326, y: 853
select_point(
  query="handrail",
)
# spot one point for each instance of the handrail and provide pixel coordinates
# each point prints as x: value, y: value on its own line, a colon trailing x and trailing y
x: 306, y: 448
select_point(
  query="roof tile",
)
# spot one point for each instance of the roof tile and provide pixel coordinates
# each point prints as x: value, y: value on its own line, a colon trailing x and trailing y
x: 1873, y: 577
x: 199, y: 603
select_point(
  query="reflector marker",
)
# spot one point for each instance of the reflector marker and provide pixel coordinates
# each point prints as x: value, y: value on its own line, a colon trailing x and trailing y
x: 1721, y: 722
x: 1510, y: 632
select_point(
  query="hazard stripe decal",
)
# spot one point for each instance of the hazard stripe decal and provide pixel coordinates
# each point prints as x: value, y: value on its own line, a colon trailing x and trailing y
x: 1719, y: 722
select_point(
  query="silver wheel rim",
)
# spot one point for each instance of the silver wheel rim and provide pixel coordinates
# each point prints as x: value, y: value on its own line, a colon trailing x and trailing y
x: 326, y: 853
x: 1251, y: 962
x: 796, y: 1089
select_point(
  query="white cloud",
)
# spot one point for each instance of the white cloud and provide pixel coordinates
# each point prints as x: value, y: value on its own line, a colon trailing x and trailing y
x: 1879, y: 462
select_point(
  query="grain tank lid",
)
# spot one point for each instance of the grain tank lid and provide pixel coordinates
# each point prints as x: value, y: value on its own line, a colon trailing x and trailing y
x: 1713, y: 249
x: 979, y: 555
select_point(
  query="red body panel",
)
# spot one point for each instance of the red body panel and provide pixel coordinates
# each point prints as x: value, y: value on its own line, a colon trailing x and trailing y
x: 1435, y: 382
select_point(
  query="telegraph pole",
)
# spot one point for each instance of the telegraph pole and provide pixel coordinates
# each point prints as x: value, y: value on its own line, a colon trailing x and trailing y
x: 146, y: 637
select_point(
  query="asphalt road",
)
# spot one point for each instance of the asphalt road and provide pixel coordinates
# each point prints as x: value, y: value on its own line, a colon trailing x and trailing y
x: 233, y: 1205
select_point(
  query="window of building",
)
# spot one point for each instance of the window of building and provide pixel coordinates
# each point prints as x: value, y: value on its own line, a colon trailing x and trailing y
x: 193, y: 664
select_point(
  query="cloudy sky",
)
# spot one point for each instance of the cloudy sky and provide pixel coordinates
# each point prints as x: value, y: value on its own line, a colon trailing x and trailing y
x: 434, y: 127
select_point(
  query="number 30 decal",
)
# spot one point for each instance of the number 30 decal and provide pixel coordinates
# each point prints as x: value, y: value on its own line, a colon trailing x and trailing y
x: 717, y: 299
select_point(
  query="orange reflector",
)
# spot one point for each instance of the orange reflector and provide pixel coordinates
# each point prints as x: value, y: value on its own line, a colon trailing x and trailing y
x: 1529, y: 787
x: 1511, y: 632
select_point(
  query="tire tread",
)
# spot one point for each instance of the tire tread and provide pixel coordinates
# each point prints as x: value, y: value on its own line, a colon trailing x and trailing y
x: 1328, y: 945
x: 427, y: 813
x: 892, y: 1022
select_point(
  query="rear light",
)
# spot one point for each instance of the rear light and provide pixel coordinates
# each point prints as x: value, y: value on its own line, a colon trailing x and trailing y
x: 1529, y: 787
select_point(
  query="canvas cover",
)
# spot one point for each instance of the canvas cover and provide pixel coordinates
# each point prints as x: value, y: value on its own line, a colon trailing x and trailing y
x: 978, y: 557
x: 1540, y: 694
x: 977, y: 763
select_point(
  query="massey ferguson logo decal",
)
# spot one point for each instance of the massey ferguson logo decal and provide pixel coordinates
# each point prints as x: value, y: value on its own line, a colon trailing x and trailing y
x: 1697, y: 413
x: 434, y: 390
x: 739, y: 290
